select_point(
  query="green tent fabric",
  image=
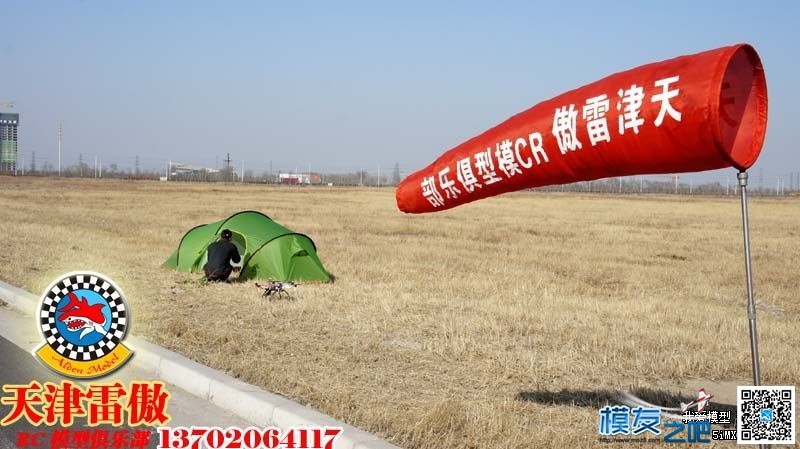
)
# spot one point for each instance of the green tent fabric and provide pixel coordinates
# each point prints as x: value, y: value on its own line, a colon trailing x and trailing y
x: 269, y: 250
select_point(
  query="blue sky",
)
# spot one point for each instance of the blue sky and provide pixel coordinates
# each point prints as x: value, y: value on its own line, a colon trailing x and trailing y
x: 344, y: 86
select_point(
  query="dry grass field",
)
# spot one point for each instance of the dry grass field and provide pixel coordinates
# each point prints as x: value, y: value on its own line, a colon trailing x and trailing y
x: 505, y: 323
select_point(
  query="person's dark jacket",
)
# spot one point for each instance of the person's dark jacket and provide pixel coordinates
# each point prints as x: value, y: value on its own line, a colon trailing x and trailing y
x: 220, y: 255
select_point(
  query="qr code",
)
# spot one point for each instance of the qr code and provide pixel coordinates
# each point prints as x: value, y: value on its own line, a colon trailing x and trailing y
x: 766, y: 415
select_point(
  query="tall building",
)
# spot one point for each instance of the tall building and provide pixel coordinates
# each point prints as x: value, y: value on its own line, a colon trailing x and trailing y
x: 8, y: 142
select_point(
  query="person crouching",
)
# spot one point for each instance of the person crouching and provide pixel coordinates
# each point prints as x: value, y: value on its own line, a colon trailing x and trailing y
x: 220, y: 255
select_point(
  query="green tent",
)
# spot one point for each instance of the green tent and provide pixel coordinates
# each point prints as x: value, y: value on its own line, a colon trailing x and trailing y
x: 269, y: 251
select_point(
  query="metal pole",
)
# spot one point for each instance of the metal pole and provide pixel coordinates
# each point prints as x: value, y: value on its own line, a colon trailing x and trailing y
x: 751, y: 305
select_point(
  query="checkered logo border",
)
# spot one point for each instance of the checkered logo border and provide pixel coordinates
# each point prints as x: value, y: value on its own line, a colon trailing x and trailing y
x: 60, y: 290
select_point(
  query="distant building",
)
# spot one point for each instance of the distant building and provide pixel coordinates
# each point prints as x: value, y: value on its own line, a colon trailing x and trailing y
x: 190, y: 170
x: 8, y: 142
x: 299, y: 178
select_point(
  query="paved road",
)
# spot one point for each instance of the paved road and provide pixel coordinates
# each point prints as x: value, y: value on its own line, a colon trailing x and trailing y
x: 18, y: 366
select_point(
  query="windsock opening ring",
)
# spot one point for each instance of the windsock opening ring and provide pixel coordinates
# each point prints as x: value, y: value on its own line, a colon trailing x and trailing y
x: 740, y: 107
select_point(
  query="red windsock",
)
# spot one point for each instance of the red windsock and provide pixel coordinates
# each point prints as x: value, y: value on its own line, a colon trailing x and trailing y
x: 688, y: 114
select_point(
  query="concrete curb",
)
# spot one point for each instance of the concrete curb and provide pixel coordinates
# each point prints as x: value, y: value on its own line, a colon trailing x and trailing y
x: 247, y: 401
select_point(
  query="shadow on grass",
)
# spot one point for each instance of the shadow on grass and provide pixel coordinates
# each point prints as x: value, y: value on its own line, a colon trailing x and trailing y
x: 577, y: 398
x: 599, y: 398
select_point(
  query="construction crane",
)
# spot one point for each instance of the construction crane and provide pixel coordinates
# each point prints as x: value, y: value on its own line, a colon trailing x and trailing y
x: 6, y: 105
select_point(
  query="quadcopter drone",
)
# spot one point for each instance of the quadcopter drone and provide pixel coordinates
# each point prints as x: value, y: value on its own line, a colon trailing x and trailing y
x: 276, y: 289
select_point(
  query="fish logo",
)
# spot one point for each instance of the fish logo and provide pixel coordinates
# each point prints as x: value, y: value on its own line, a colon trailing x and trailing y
x: 78, y: 314
x: 83, y: 318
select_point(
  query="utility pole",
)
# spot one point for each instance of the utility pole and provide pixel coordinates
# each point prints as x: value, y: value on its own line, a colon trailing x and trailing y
x: 228, y: 170
x: 396, y: 174
x: 137, y: 165
x: 242, y: 171
x: 60, y: 133
x: 676, y: 183
x: 379, y: 175
x: 80, y: 162
x: 95, y: 166
x: 33, y: 164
